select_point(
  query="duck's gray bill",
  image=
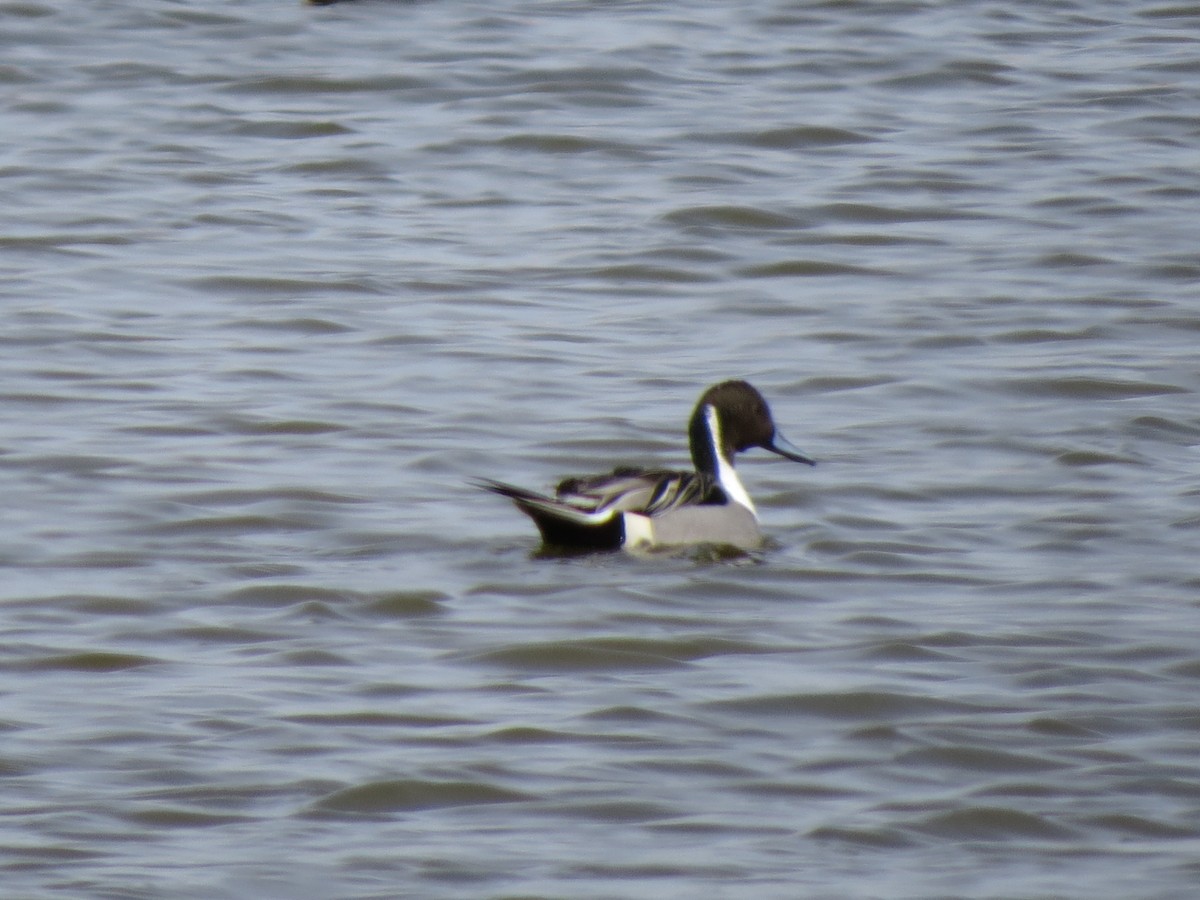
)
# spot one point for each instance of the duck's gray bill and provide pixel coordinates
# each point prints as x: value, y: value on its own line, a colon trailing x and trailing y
x: 781, y: 445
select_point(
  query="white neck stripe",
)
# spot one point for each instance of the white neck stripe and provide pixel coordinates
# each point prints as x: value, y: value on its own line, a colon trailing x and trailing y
x: 727, y: 476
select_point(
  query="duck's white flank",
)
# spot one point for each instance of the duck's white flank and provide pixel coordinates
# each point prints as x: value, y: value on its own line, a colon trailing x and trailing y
x: 726, y: 474
x: 639, y: 530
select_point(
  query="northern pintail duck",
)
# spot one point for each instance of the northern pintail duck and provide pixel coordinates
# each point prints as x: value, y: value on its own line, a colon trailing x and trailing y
x: 660, y: 508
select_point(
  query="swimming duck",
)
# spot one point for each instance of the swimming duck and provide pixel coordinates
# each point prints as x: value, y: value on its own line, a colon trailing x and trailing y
x: 647, y: 508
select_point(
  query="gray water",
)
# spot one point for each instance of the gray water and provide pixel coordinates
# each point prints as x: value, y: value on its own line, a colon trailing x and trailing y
x: 278, y: 280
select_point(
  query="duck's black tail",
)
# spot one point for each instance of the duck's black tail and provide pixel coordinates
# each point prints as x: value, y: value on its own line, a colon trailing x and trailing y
x: 561, y: 523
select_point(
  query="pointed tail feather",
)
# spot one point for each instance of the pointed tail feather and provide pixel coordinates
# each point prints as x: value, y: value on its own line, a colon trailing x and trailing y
x: 562, y: 524
x: 540, y: 507
x: 511, y: 491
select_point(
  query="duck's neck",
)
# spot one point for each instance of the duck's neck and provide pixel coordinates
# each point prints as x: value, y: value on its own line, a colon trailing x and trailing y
x: 712, y: 457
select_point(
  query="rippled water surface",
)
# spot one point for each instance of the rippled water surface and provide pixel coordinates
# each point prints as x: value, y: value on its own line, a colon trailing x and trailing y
x: 277, y: 280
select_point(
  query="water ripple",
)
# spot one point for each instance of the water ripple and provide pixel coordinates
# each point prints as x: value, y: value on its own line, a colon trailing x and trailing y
x: 384, y: 797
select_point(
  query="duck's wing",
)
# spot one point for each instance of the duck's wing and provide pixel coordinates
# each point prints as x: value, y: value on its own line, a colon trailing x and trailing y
x: 648, y: 492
